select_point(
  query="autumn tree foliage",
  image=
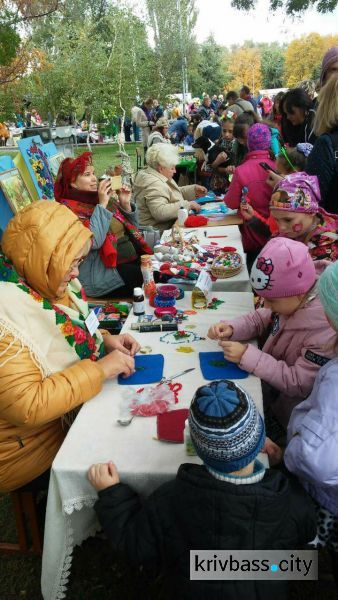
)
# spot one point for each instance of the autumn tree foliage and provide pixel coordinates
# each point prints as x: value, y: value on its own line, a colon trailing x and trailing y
x: 304, y: 56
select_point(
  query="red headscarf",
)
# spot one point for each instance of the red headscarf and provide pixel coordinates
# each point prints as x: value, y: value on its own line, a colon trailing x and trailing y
x: 68, y: 172
x: 83, y: 204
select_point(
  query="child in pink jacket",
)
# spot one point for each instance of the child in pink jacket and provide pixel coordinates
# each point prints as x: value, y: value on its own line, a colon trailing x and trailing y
x: 251, y: 175
x: 300, y: 339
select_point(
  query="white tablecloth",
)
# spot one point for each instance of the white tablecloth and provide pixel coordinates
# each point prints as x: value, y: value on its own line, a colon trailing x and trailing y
x: 230, y: 237
x: 142, y: 461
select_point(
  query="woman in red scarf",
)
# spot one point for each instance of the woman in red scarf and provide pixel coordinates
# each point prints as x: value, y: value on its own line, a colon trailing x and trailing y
x: 112, y: 266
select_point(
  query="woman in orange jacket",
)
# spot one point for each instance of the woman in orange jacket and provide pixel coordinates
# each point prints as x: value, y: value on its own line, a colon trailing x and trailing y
x: 51, y: 360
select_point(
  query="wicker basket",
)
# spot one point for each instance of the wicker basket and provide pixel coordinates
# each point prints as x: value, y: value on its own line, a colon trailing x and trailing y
x: 226, y: 265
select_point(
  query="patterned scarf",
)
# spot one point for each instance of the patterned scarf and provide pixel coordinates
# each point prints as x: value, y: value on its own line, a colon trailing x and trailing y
x: 70, y: 321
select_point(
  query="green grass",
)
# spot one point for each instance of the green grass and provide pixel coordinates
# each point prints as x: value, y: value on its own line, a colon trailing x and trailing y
x: 108, y: 155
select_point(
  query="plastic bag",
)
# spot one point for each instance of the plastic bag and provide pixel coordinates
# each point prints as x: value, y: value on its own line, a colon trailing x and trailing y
x: 149, y: 401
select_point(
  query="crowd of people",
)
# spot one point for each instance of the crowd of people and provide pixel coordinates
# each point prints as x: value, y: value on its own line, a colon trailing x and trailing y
x: 278, y: 168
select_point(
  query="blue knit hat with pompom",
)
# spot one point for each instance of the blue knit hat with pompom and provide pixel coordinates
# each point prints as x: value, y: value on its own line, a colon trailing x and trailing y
x: 225, y: 426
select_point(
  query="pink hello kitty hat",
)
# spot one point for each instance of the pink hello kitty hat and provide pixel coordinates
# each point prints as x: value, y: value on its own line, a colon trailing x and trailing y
x: 284, y: 268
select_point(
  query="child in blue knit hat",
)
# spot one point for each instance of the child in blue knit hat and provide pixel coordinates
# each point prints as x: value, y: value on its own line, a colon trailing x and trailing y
x: 230, y: 502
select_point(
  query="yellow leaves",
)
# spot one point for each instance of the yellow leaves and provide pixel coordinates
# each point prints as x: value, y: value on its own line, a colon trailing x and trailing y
x: 246, y: 69
x: 304, y: 57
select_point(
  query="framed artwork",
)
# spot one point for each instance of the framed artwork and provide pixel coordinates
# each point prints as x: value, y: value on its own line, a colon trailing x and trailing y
x: 36, y: 161
x: 54, y: 163
x: 14, y: 190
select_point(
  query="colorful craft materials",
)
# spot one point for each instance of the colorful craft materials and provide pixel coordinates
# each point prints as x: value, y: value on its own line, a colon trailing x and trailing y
x: 168, y: 291
x: 180, y: 337
x: 190, y: 312
x: 170, y: 425
x: 160, y: 302
x: 215, y: 304
x: 165, y: 311
x: 226, y: 265
x: 148, y: 369
x: 214, y: 366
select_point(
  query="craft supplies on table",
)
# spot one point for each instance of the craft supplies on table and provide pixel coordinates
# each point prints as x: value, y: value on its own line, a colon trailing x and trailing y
x: 215, y: 366
x: 227, y: 264
x: 238, y: 282
x: 143, y: 462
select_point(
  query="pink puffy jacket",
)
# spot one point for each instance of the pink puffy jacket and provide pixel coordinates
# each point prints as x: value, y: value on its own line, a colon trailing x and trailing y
x: 292, y: 355
x: 253, y: 176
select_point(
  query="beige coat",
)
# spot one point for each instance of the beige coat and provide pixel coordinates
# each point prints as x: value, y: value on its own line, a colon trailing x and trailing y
x: 158, y: 198
x: 139, y: 117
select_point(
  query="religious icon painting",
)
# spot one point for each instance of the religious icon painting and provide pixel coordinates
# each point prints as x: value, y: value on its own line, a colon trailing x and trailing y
x: 14, y: 190
x: 36, y: 161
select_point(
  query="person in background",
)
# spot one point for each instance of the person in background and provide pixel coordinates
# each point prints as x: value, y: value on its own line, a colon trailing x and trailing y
x: 297, y: 117
x: 176, y: 111
x: 143, y: 120
x: 205, y: 110
x: 215, y: 506
x: 112, y: 267
x: 157, y: 195
x: 276, y: 114
x: 159, y: 134
x: 178, y: 129
x: 136, y: 128
x: 329, y: 65
x: 4, y: 134
x: 50, y: 361
x: 189, y: 138
x: 250, y: 174
x: 312, y: 441
x: 246, y: 95
x: 221, y: 156
x: 299, y: 336
x: 214, y: 104
x: 266, y: 105
x: 157, y: 110
x: 242, y: 125
x: 237, y: 105
x: 36, y: 120
x: 323, y: 160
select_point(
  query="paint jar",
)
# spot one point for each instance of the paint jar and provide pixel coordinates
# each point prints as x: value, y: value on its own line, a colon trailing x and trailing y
x: 138, y: 302
x: 189, y: 447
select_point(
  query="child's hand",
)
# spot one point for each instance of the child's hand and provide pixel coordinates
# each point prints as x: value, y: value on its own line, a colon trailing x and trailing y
x: 274, y: 452
x: 247, y: 212
x: 233, y: 351
x: 220, y: 331
x: 230, y: 169
x: 103, y: 475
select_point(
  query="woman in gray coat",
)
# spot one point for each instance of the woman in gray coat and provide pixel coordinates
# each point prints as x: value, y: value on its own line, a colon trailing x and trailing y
x: 112, y: 266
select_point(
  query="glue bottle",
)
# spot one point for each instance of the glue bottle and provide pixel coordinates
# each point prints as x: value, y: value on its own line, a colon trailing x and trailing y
x: 189, y: 447
x: 182, y: 215
x: 138, y: 302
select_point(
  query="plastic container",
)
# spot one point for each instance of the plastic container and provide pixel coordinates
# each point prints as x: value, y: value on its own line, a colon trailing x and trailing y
x: 138, y: 302
x: 149, y: 284
x: 182, y: 215
x: 189, y: 447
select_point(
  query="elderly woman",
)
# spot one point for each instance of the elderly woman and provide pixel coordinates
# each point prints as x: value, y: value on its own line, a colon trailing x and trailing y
x: 157, y: 195
x: 159, y: 133
x: 112, y: 265
x: 52, y: 359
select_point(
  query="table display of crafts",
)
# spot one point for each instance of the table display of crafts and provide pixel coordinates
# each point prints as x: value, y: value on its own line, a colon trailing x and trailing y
x: 183, y: 259
x: 160, y: 398
x: 213, y: 207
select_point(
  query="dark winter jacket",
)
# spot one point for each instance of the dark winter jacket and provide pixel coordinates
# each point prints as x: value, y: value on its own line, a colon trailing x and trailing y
x: 323, y: 162
x: 294, y: 134
x: 197, y: 511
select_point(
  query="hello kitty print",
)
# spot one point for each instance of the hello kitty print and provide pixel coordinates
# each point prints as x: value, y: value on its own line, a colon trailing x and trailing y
x: 260, y: 275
